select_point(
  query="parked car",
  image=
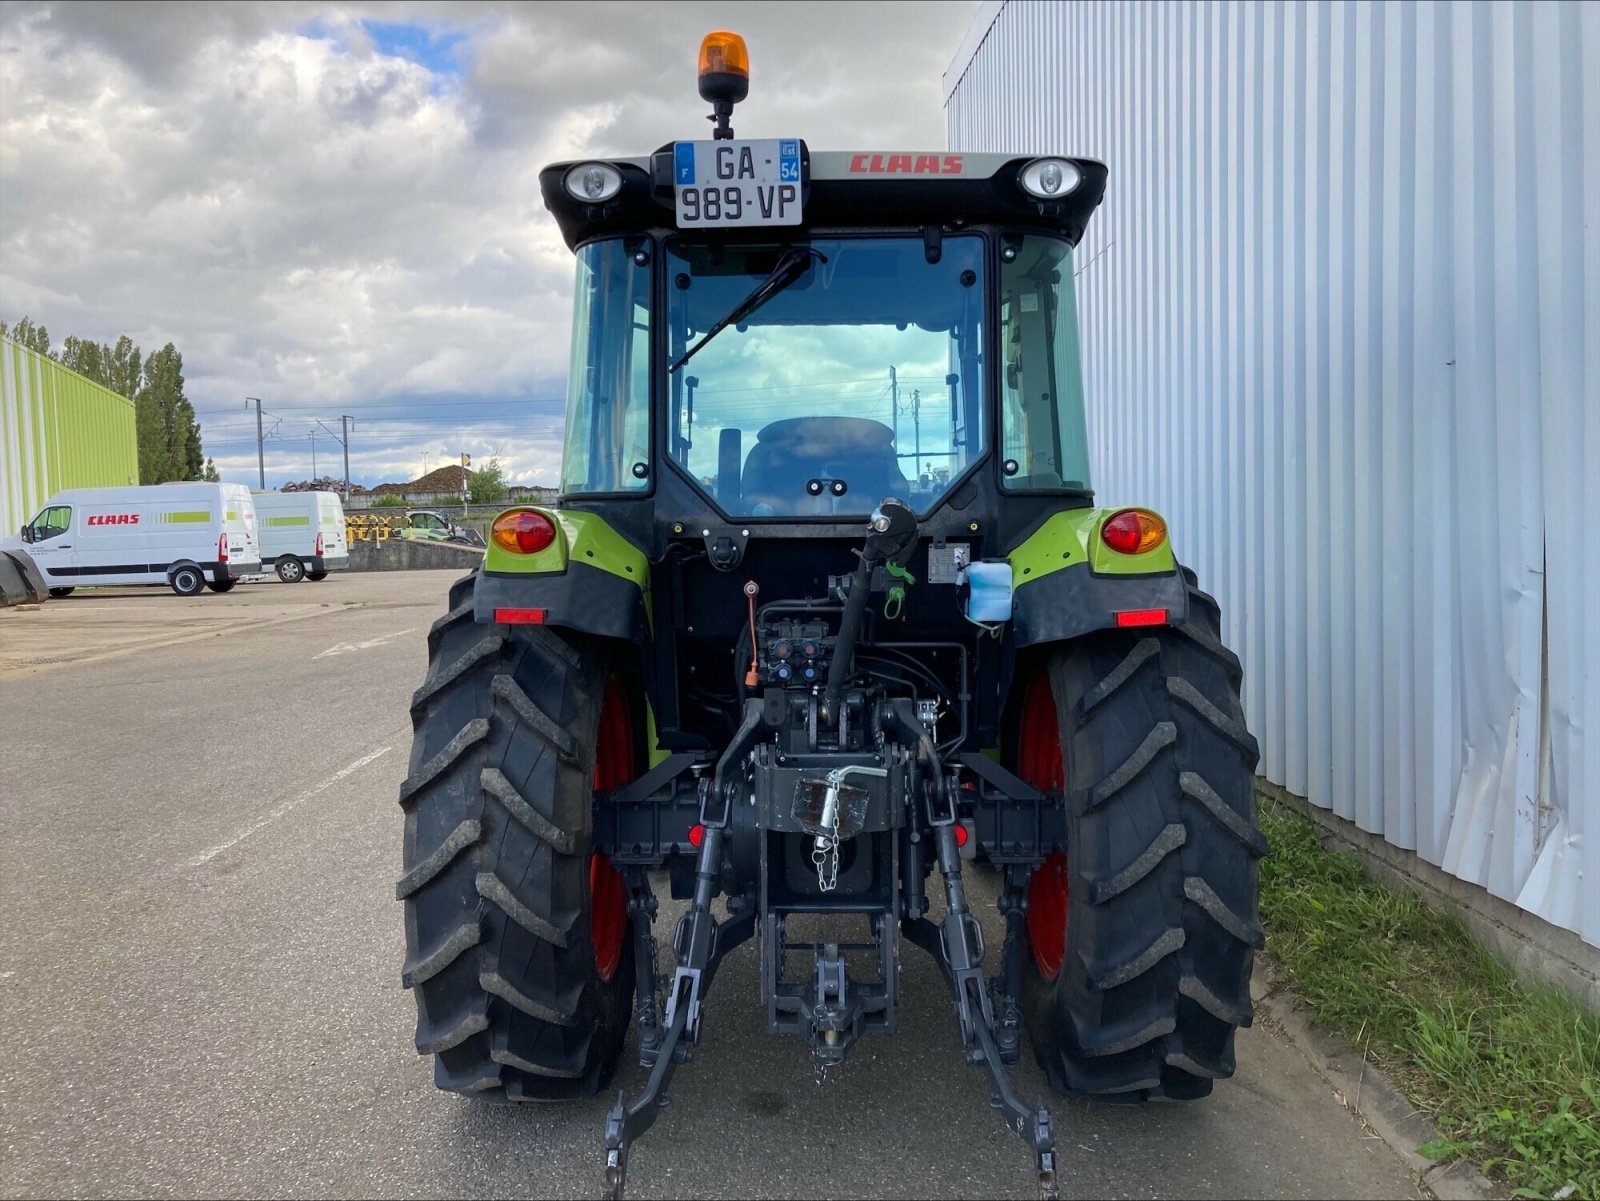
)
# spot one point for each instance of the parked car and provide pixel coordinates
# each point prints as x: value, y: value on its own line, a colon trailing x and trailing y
x: 433, y: 526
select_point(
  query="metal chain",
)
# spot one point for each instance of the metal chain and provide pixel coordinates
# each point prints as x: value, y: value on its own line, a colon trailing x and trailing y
x: 825, y: 854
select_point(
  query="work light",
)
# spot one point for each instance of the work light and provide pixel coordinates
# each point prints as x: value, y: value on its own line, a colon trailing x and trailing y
x: 1050, y: 178
x: 594, y: 182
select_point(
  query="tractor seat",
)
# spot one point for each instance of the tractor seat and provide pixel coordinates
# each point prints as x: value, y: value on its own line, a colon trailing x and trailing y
x: 853, y: 449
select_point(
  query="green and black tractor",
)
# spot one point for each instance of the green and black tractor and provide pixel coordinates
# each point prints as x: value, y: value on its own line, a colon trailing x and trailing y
x: 824, y: 615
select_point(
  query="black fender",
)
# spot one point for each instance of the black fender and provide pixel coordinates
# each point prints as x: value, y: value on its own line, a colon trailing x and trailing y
x: 579, y: 597
x: 1077, y: 600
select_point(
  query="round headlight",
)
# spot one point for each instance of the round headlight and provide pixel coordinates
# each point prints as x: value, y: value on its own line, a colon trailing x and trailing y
x: 593, y: 182
x: 1050, y: 178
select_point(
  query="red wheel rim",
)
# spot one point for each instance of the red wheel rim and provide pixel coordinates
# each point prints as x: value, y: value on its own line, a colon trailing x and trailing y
x: 613, y: 767
x: 1047, y: 914
x: 1039, y: 763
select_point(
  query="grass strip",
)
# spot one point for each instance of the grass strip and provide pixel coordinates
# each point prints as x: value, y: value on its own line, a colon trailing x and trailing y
x: 1511, y: 1075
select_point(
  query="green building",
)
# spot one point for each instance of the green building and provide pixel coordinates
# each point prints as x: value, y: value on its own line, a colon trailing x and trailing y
x: 57, y: 430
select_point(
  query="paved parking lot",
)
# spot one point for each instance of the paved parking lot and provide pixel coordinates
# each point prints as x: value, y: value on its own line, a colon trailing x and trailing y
x: 200, y: 960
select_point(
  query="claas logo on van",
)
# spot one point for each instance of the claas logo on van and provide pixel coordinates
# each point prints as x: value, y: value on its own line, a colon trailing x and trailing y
x: 114, y: 519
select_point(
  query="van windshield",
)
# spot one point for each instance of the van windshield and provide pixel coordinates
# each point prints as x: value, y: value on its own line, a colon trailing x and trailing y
x: 860, y: 379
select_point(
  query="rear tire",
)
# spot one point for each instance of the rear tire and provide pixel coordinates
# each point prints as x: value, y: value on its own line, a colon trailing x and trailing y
x: 188, y: 581
x: 58, y: 593
x: 316, y: 576
x: 291, y: 570
x: 1139, y: 995
x: 222, y: 585
x: 504, y: 900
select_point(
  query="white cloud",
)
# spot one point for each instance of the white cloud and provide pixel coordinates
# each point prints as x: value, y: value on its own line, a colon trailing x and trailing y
x: 341, y: 230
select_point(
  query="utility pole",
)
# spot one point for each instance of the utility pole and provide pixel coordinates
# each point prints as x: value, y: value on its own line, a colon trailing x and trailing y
x: 346, y: 423
x: 261, y: 442
x: 313, y: 454
x: 894, y: 408
x: 916, y: 422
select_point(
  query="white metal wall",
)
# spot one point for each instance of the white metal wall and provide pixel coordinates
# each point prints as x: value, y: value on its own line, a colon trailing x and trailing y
x: 1342, y: 326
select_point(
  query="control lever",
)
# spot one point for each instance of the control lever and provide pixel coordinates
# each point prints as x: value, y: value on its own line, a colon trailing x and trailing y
x: 891, y: 529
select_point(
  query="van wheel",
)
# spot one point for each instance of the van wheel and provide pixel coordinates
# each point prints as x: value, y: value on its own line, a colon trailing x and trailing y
x: 187, y: 581
x: 224, y: 586
x: 291, y: 570
x: 58, y: 593
x: 314, y: 576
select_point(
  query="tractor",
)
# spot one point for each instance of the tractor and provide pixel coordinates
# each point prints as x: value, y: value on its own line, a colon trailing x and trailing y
x: 824, y: 618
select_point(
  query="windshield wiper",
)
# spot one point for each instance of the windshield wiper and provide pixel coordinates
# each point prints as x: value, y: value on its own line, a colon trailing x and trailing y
x: 791, y: 266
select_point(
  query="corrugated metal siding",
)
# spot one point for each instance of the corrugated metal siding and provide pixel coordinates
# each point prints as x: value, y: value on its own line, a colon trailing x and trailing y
x: 57, y: 430
x: 1342, y: 325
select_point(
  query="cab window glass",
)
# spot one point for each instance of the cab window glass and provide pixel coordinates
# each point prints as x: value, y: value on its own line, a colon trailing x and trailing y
x: 1046, y: 445
x: 52, y: 523
x: 608, y: 383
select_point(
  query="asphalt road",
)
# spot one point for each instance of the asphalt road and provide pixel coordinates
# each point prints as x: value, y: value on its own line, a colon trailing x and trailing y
x: 200, y: 959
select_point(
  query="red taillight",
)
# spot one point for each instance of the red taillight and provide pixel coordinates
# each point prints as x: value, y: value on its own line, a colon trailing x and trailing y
x: 319, y: 542
x: 222, y: 549
x: 961, y: 835
x: 523, y: 531
x: 697, y: 835
x: 1142, y: 617
x: 1133, y: 532
x: 520, y: 617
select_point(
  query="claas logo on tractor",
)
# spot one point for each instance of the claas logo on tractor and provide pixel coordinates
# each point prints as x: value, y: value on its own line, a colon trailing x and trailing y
x: 825, y: 616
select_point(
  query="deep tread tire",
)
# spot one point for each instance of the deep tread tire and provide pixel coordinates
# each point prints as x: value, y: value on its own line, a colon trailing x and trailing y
x: 499, y: 810
x: 1161, y: 925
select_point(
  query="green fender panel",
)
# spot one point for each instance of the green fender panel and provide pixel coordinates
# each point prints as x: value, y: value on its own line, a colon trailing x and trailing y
x: 1066, y: 581
x: 585, y: 538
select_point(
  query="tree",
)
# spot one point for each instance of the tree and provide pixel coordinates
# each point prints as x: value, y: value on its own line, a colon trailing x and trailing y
x: 119, y: 368
x: 211, y: 475
x: 169, y: 437
x: 85, y: 357
x: 487, y: 485
x: 123, y: 368
x: 26, y: 333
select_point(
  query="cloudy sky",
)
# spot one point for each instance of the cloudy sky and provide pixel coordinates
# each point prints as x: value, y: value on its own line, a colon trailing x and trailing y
x: 335, y: 207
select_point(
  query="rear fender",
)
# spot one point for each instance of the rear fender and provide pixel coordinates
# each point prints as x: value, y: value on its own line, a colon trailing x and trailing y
x: 590, y: 579
x: 1067, y: 582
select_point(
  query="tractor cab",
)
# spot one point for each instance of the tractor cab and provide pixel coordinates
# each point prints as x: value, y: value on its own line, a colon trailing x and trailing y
x: 764, y: 333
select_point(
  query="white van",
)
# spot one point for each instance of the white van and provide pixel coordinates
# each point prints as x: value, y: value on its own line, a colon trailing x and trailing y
x: 302, y: 534
x: 188, y: 536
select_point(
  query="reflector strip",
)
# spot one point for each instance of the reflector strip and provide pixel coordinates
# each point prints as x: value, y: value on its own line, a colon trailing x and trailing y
x: 524, y: 617
x: 1142, y: 617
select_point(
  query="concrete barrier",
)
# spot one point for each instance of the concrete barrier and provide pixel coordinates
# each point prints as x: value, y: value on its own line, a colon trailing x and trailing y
x: 413, y: 554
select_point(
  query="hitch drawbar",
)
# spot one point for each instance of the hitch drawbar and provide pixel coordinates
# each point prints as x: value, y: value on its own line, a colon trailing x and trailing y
x: 956, y: 943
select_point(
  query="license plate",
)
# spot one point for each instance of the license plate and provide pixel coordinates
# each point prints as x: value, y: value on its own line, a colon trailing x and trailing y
x: 738, y: 183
